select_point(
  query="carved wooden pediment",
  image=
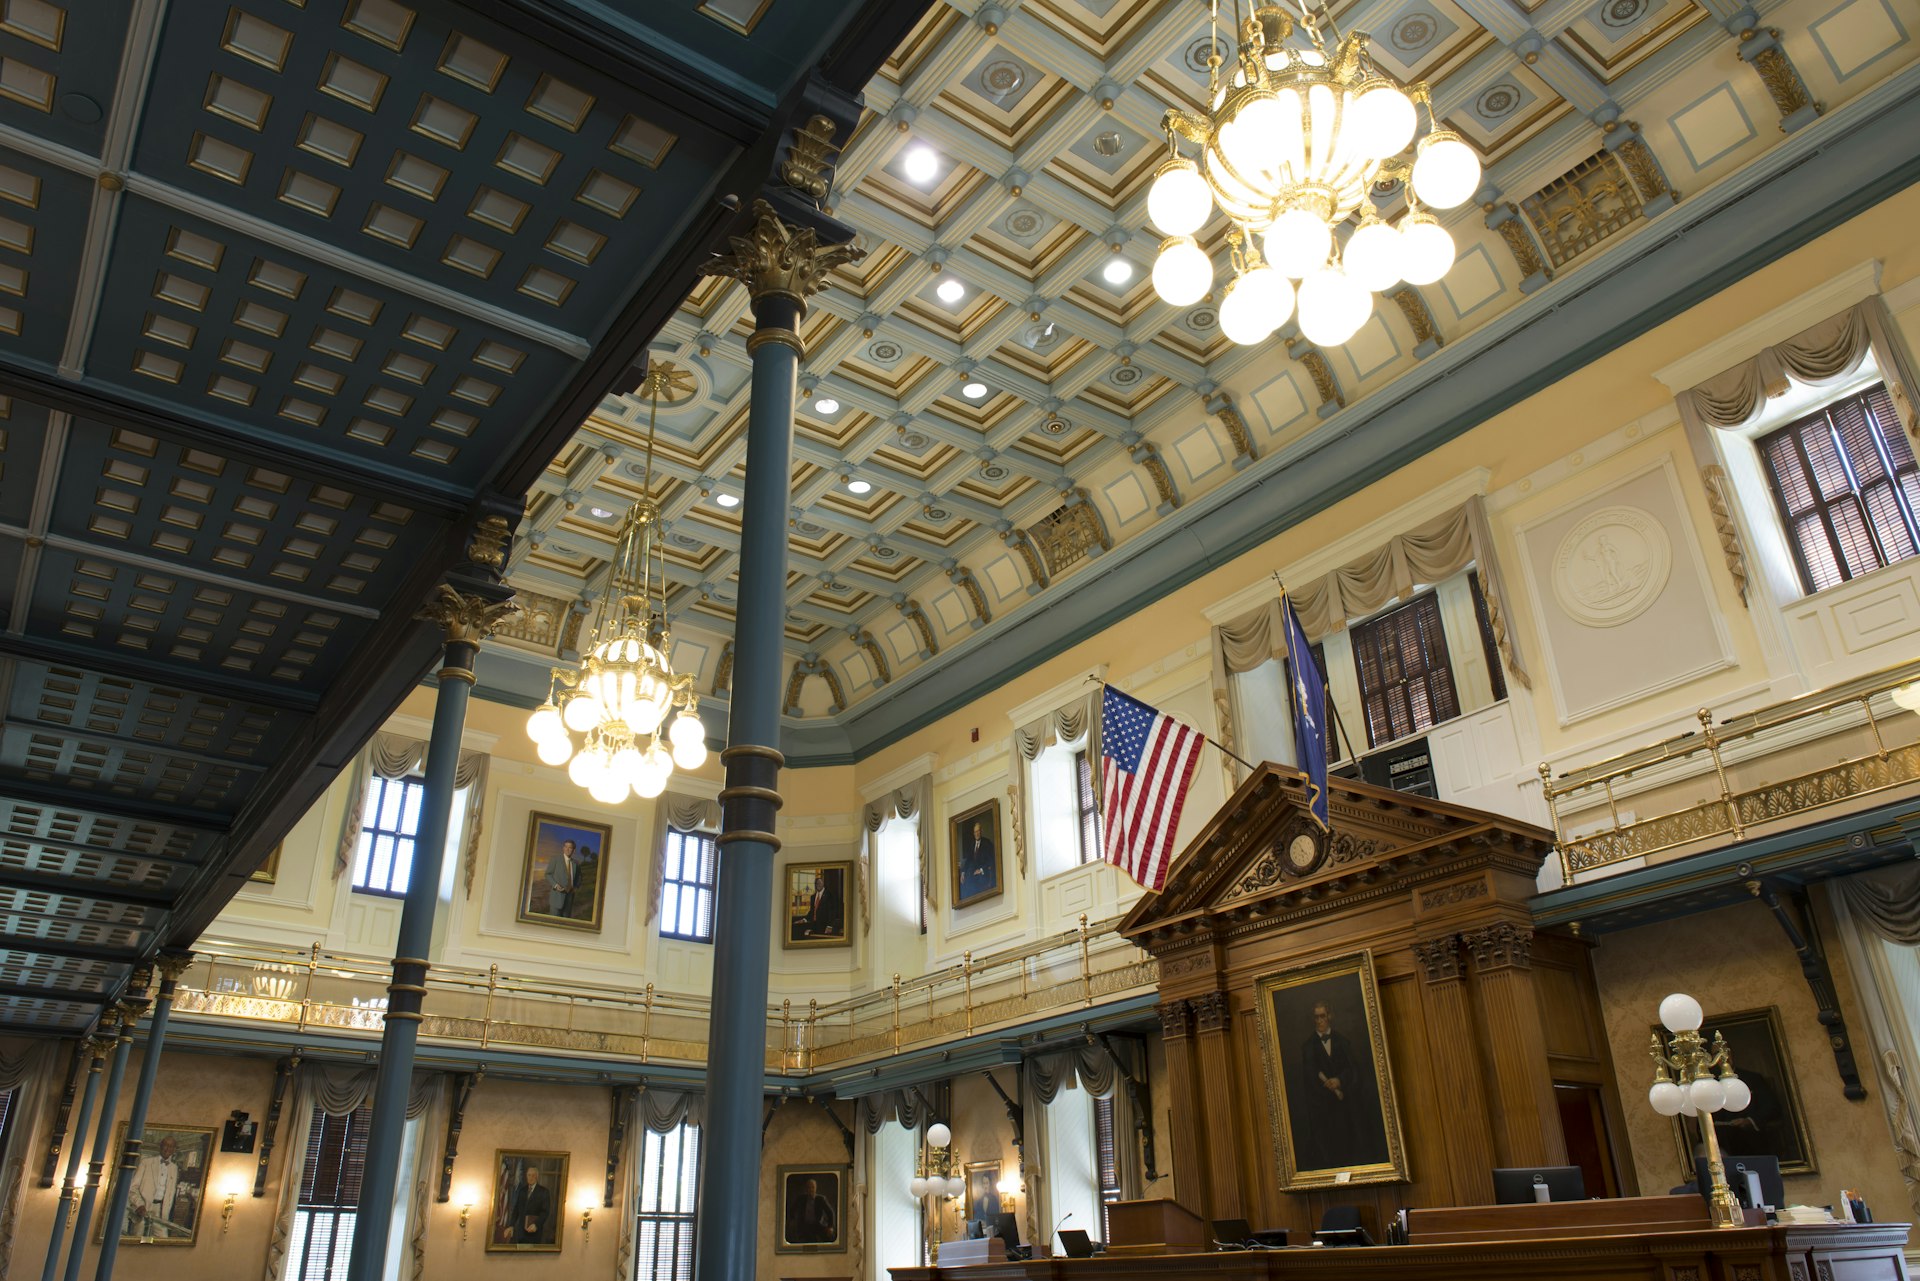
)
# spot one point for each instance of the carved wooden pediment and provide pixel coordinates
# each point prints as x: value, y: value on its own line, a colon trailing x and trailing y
x: 1262, y: 853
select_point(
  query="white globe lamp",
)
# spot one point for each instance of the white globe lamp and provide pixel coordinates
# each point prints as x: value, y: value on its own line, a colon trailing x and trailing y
x: 581, y: 713
x: 689, y: 739
x: 1666, y: 1098
x: 1681, y: 1013
x: 1706, y: 1095
x: 1372, y: 256
x: 916, y: 1187
x: 1445, y: 172
x: 554, y: 751
x: 1178, y: 202
x: 545, y: 723
x: 1426, y: 250
x: 1182, y: 273
x: 938, y: 1135
x: 1245, y: 309
x: 1737, y: 1094
x: 1298, y: 243
x: 1332, y: 307
x: 1382, y: 119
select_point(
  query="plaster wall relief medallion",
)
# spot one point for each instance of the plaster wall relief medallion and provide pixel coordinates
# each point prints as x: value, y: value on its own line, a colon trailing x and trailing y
x: 1611, y: 567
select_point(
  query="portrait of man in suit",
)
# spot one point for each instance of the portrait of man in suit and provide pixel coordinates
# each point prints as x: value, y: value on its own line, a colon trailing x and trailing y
x: 528, y: 1193
x: 812, y: 1210
x: 166, y: 1187
x: 817, y: 904
x: 976, y: 854
x: 563, y: 881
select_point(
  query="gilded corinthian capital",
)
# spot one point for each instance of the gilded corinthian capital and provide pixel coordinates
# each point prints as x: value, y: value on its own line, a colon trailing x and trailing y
x: 468, y: 619
x: 781, y: 260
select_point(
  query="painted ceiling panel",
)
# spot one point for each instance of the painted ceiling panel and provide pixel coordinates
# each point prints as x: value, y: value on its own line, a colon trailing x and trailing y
x: 59, y: 68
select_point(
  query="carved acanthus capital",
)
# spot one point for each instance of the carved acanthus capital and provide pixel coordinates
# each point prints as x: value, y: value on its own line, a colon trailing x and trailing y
x: 1176, y: 1019
x: 173, y: 964
x: 1502, y: 945
x: 1211, y: 1013
x: 468, y: 620
x: 487, y: 545
x: 1439, y: 958
x: 776, y: 259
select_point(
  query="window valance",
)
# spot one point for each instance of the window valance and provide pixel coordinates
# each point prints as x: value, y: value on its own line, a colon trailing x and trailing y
x: 909, y: 802
x: 390, y: 756
x: 689, y: 814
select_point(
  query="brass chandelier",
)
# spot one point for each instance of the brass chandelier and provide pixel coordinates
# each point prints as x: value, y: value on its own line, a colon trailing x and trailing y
x: 1294, y: 143
x: 617, y: 700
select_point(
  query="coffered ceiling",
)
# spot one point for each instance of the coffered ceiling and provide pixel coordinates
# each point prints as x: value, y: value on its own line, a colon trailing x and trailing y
x: 293, y: 294
x: 1052, y: 447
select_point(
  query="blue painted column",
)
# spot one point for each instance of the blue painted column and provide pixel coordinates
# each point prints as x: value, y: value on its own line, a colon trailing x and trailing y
x: 781, y: 266
x: 172, y: 966
x: 102, y: 1138
x: 467, y: 620
x: 96, y: 1052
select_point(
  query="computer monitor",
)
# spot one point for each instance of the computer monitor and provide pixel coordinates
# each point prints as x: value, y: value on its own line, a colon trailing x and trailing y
x: 1772, y: 1191
x: 1076, y: 1243
x: 1007, y: 1228
x: 1516, y: 1186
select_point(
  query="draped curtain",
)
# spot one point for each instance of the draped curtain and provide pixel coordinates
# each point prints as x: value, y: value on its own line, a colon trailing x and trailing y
x: 1876, y: 909
x: 1426, y: 554
x: 337, y: 1091
x: 1078, y: 719
x: 909, y: 802
x: 647, y: 1109
x: 1087, y: 1066
x: 390, y: 756
x: 871, y: 1111
x: 689, y: 814
x: 1886, y: 901
x: 30, y: 1072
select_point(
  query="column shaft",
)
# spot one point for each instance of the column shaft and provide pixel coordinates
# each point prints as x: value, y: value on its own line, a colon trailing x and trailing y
x: 729, y: 1226
x: 1186, y: 1124
x: 1219, y: 1095
x: 1452, y: 1044
x: 400, y: 1034
x: 95, y: 1054
x: 122, y: 1188
x: 102, y: 1137
x: 1526, y: 1121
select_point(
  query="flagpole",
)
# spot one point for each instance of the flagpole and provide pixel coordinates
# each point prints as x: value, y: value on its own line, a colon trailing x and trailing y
x: 1103, y: 684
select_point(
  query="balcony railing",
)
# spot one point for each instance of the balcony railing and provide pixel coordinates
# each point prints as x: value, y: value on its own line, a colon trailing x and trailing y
x: 1736, y: 756
x: 316, y: 990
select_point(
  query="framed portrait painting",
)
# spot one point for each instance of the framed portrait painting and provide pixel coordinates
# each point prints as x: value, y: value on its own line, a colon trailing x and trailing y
x: 816, y: 899
x: 529, y: 1202
x: 1329, y: 1083
x: 563, y: 879
x: 979, y: 871
x: 983, y: 1191
x: 169, y: 1188
x: 813, y: 1209
x: 1773, y: 1124
x: 268, y: 872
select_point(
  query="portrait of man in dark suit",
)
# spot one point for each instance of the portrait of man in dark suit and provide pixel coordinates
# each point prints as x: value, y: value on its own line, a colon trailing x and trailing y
x: 812, y: 1213
x: 564, y: 879
x: 817, y: 904
x: 976, y: 855
x: 528, y: 1196
x: 532, y: 1209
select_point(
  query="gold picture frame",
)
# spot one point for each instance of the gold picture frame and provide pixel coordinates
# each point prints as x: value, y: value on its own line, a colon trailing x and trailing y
x: 170, y: 1214
x: 983, y: 1190
x: 570, y: 850
x: 799, y: 1228
x: 268, y: 872
x: 1774, y: 1123
x: 515, y: 1206
x: 1330, y: 1100
x: 974, y: 854
x: 816, y: 898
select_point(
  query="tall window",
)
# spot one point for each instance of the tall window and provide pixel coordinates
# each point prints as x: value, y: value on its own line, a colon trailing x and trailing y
x: 330, y: 1178
x: 1405, y: 683
x: 1086, y: 808
x: 669, y: 1173
x: 687, y: 886
x: 1847, y: 486
x: 1106, y: 1150
x: 383, y: 863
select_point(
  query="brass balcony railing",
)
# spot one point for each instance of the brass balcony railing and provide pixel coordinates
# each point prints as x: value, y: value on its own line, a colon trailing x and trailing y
x: 313, y: 989
x: 1735, y: 756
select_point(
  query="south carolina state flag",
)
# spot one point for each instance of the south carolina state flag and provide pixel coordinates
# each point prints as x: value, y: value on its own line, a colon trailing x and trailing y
x: 1146, y: 764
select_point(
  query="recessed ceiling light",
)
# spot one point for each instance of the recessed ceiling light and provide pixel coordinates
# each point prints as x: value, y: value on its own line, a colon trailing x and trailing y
x: 920, y: 163
x: 826, y: 405
x: 951, y: 290
x: 859, y: 487
x: 974, y: 391
x: 599, y: 513
x: 1117, y: 272
x: 727, y: 500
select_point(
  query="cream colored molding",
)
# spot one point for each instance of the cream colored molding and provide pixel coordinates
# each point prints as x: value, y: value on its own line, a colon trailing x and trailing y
x: 1852, y: 286
x: 1436, y: 502
x: 898, y: 777
x: 1903, y: 296
x: 994, y: 754
x: 1196, y: 651
x: 421, y: 731
x: 1074, y: 687
x: 1617, y: 441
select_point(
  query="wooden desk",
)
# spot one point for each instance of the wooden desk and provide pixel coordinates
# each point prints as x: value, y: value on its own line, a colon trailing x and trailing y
x: 1838, y: 1252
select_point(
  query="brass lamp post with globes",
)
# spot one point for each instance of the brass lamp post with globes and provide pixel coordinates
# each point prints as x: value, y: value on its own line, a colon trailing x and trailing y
x: 1692, y: 1078
x: 934, y: 1180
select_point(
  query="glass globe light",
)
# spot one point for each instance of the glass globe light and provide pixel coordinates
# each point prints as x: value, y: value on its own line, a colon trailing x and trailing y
x: 1665, y: 1098
x: 1382, y: 119
x: 1706, y: 1094
x: 554, y: 751
x: 609, y: 788
x: 1332, y: 307
x: 584, y: 769
x: 955, y: 1185
x: 1737, y: 1094
x: 689, y: 739
x: 1298, y: 243
x: 916, y: 1187
x: 625, y: 765
x: 1681, y: 1013
x: 938, y: 1135
x: 1446, y: 172
x: 1372, y: 256
x: 1426, y: 250
x: 1182, y: 273
x: 1247, y: 310
x: 1179, y: 200
x: 1251, y: 141
x: 655, y: 769
x: 545, y: 723
x: 580, y: 713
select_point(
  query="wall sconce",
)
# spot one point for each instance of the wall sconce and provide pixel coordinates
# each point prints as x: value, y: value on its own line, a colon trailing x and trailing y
x: 466, y: 1208
x: 230, y: 1191
x: 1009, y: 1188
x: 586, y: 1220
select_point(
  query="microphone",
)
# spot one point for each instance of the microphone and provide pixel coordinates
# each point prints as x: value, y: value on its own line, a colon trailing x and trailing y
x: 1059, y: 1225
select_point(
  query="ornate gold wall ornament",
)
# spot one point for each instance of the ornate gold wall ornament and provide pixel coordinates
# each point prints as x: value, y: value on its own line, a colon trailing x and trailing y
x: 962, y: 577
x: 1589, y: 203
x: 1156, y: 466
x: 1419, y: 318
x: 1714, y: 478
x: 874, y: 655
x: 1520, y: 244
x: 1502, y: 945
x: 1070, y: 532
x: 487, y: 545
x: 804, y: 668
x: 541, y: 623
x: 723, y: 672
x: 776, y: 259
x: 1029, y: 556
x: 1784, y: 86
x: 1644, y: 168
x: 809, y: 158
x: 1322, y: 373
x: 1230, y: 418
x: 1019, y: 821
x: 468, y: 620
x: 912, y: 612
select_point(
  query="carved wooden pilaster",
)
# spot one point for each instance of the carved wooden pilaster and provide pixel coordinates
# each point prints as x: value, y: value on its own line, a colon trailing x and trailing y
x: 1454, y: 1060
x: 1176, y: 1020
x: 1526, y: 1119
x: 1186, y: 1131
x: 1500, y: 946
x: 270, y: 1129
x: 1439, y: 958
x: 1211, y: 1013
x: 1219, y: 1097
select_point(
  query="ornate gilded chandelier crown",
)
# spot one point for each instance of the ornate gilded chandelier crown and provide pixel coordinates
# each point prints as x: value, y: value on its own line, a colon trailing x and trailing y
x: 618, y: 698
x: 1294, y: 143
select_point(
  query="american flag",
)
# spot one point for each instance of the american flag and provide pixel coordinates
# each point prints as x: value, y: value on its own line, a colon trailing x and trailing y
x: 1146, y: 764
